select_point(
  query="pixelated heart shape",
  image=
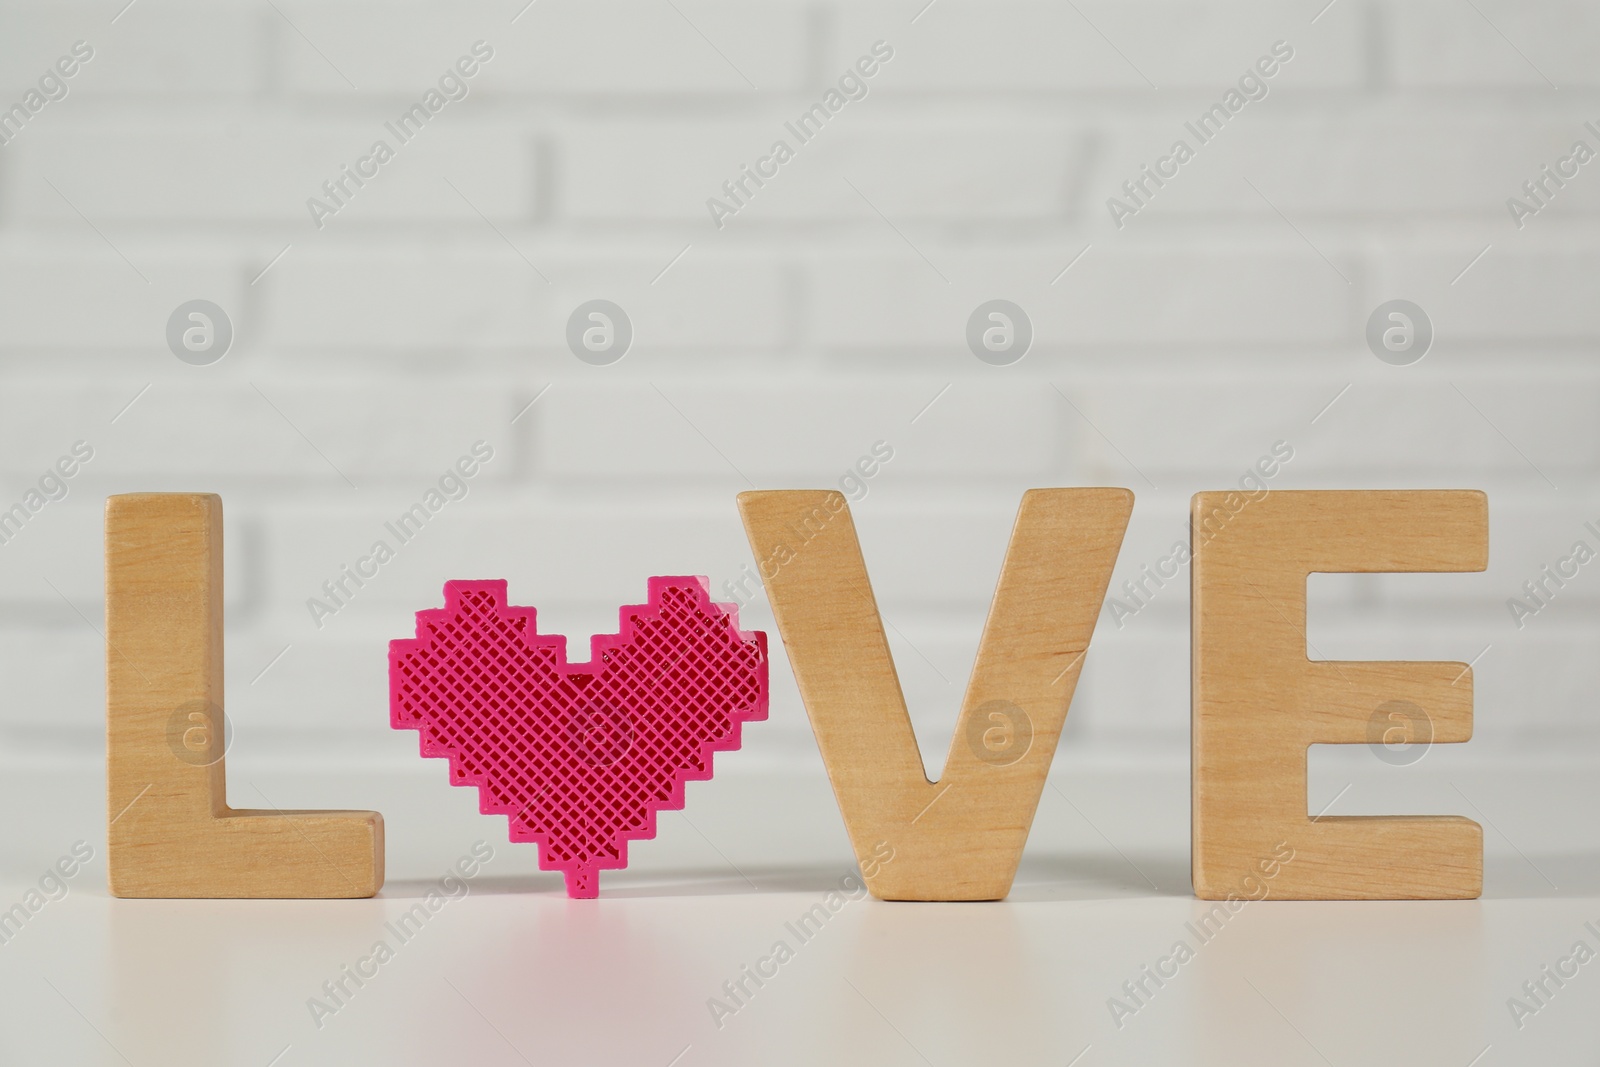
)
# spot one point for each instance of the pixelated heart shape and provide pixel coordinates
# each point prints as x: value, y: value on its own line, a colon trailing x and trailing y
x: 579, y: 757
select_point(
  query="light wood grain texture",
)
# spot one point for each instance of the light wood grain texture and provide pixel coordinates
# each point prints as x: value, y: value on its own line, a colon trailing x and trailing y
x: 171, y: 831
x: 959, y: 839
x: 1260, y: 701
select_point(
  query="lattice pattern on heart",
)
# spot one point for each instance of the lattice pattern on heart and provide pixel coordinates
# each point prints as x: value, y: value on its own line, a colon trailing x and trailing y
x: 579, y: 757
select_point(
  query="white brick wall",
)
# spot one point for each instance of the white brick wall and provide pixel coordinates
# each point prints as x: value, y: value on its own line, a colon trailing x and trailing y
x: 821, y: 318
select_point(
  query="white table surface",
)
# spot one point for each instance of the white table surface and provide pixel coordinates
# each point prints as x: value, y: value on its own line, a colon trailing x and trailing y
x: 513, y: 972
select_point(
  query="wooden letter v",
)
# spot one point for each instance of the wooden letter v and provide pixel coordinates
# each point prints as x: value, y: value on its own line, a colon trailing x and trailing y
x: 959, y: 838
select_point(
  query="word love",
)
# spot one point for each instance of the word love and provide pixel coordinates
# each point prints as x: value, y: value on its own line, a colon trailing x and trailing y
x: 580, y: 756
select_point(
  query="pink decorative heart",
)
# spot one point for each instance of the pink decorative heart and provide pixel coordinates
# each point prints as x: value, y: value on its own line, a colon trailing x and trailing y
x: 579, y: 757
